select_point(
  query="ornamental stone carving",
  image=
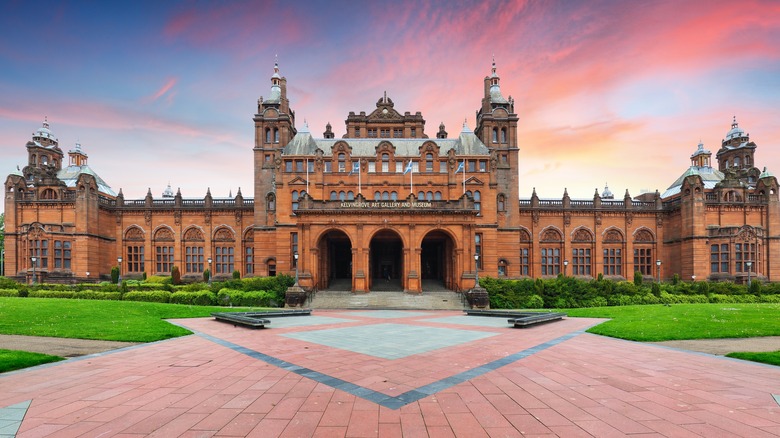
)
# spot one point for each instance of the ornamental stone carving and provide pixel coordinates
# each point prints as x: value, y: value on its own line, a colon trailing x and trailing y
x: 643, y: 236
x: 134, y: 234
x: 613, y: 236
x: 193, y: 234
x: 164, y: 235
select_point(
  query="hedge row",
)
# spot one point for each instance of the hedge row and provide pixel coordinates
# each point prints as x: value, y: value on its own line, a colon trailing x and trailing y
x: 569, y: 292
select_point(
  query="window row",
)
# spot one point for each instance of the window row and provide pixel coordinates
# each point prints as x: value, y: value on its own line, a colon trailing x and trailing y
x: 746, y: 257
x: 384, y: 164
x: 60, y: 257
x: 581, y: 262
x: 194, y: 262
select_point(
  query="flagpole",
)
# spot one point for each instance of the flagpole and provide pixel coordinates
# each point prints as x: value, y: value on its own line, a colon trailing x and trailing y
x: 411, y: 176
x: 464, y: 176
x: 359, y: 183
x: 307, y: 175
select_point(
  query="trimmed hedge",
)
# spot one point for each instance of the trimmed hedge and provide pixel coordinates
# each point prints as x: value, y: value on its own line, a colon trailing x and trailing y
x: 239, y: 298
x: 98, y: 295
x: 155, y: 296
x: 199, y: 298
x: 51, y: 294
x: 9, y: 293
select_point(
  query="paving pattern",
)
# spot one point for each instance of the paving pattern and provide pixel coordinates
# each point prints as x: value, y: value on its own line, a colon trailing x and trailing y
x: 457, y: 377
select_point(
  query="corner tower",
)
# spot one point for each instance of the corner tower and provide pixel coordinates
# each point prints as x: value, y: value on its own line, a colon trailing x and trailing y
x: 497, y: 128
x: 274, y: 128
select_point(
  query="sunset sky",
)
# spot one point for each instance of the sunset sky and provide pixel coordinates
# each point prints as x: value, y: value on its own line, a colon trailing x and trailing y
x: 616, y: 92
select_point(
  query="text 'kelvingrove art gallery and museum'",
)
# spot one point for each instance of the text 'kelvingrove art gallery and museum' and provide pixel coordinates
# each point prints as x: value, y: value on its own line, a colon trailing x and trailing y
x: 389, y: 207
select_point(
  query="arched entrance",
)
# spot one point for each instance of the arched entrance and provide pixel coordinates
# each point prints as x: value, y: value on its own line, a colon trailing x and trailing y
x: 386, y: 261
x: 335, y: 261
x: 436, y: 261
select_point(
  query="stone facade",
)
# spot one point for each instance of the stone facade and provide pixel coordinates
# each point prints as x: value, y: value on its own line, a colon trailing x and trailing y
x: 386, y: 207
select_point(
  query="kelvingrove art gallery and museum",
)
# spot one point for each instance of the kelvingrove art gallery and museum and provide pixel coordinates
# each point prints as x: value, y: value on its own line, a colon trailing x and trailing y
x: 391, y: 206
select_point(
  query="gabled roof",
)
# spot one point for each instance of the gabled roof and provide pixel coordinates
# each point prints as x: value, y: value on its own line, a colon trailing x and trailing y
x: 466, y: 144
x: 709, y: 176
x: 69, y: 175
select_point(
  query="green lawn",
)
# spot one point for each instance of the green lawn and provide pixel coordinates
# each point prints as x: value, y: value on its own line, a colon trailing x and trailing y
x: 772, y: 358
x: 15, y: 360
x: 684, y: 321
x: 129, y: 321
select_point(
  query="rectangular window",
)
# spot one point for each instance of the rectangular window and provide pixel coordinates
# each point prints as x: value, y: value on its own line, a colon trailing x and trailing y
x: 224, y: 260
x: 164, y: 259
x: 472, y: 165
x: 249, y: 260
x: 414, y: 132
x: 398, y: 133
x: 483, y: 166
x: 744, y: 252
x: 40, y: 250
x: 371, y: 132
x: 399, y: 167
x: 719, y: 258
x: 61, y: 254
x: 288, y: 166
x: 524, y: 266
x: 299, y: 166
x: 442, y: 167
x: 613, y: 261
x: 193, y: 259
x: 551, y: 261
x: 580, y: 261
x: 328, y: 166
x: 135, y: 259
x: 357, y: 131
x: 478, y: 248
x: 643, y: 260
x: 310, y: 166
x: 371, y: 167
x: 293, y: 248
x: 384, y: 132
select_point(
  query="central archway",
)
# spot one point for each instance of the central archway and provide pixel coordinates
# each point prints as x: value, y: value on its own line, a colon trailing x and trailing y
x: 436, y: 261
x: 335, y: 261
x: 386, y: 261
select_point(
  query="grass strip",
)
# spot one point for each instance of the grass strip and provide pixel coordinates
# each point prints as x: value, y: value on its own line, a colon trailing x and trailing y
x: 11, y: 360
x: 653, y: 323
x: 771, y: 358
x: 128, y: 321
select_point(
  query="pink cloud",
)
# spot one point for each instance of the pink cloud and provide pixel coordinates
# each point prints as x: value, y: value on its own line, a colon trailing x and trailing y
x: 169, y: 84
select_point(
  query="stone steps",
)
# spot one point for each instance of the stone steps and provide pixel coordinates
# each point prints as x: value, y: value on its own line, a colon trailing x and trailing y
x: 435, y: 300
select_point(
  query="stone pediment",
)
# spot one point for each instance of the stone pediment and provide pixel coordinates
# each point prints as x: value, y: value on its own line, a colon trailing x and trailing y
x: 297, y: 181
x: 473, y: 180
x: 384, y: 111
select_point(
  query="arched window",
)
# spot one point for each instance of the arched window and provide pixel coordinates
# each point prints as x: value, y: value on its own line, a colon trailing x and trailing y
x: 582, y: 247
x: 294, y: 200
x: 747, y: 161
x: 33, y: 159
x: 503, y: 135
x: 643, y: 252
x: 44, y: 159
x: 276, y: 136
x: 429, y: 196
x: 736, y: 162
x: 334, y: 196
x: 502, y: 268
x: 612, y: 249
x: 501, y: 203
x: 267, y: 135
x: 377, y: 196
x: 49, y: 194
x: 271, y: 201
x: 437, y: 196
x: 429, y: 163
x: 420, y: 195
x: 350, y: 196
x: 495, y: 135
x: 477, y: 201
x: 385, y: 162
x: 385, y: 196
x: 342, y: 196
x: 551, y: 242
x: 394, y: 195
x: 224, y: 251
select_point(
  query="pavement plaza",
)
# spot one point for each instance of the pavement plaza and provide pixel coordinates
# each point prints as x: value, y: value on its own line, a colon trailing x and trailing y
x: 393, y: 373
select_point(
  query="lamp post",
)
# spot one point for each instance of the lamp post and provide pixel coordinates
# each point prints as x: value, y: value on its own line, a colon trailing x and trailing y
x: 33, y: 259
x: 295, y: 256
x: 87, y: 276
x: 749, y: 263
x: 2, y: 263
x: 565, y: 267
x: 658, y: 270
x: 693, y: 278
x: 211, y: 271
x: 119, y: 277
x: 476, y: 270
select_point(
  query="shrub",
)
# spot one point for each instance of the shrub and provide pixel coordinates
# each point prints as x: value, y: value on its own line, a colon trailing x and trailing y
x: 98, y: 295
x: 236, y: 275
x: 200, y: 298
x: 115, y: 274
x: 155, y: 296
x: 144, y: 276
x: 175, y: 275
x: 638, y: 278
x: 9, y: 293
x: 158, y: 279
x: 771, y: 298
x: 206, y: 275
x: 676, y: 279
x: 7, y: 283
x: 534, y: 302
x: 51, y: 293
x: 235, y: 297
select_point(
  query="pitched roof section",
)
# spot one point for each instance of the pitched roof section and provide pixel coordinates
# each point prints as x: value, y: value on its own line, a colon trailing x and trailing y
x: 69, y: 175
x: 709, y: 176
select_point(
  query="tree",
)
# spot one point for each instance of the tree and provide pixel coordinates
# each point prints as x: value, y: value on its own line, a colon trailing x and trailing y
x: 2, y: 242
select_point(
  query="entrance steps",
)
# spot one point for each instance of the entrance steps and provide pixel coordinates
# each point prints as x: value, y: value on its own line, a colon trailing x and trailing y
x: 429, y: 300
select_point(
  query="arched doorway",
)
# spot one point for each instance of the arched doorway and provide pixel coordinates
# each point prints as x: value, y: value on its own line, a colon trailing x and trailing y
x: 436, y: 261
x: 386, y: 261
x: 335, y: 261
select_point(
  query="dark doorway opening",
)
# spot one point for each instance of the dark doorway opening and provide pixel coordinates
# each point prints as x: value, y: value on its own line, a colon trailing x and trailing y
x: 386, y: 261
x: 335, y: 250
x: 436, y: 264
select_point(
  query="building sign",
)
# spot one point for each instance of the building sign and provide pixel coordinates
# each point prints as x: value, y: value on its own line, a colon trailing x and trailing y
x: 387, y: 204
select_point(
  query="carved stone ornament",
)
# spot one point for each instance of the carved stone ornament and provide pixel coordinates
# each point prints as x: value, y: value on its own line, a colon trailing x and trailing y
x: 177, y: 217
x: 134, y: 234
x: 659, y: 220
x: 193, y: 234
x: 249, y: 236
x: 582, y: 235
x: 119, y: 218
x: 613, y: 236
x: 599, y: 218
x: 207, y: 217
x: 525, y: 236
x: 551, y: 235
x: 164, y: 235
x: 643, y: 236
x: 239, y: 217
x: 567, y: 219
x: 224, y: 235
x: 629, y: 218
x: 148, y: 217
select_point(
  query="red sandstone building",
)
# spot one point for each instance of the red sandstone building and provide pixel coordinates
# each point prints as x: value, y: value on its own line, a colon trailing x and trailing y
x: 388, y: 207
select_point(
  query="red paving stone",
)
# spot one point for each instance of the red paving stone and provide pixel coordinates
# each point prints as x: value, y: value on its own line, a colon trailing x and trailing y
x: 586, y: 385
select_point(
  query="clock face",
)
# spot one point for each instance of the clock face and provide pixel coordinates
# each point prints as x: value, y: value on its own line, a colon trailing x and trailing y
x: 384, y: 111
